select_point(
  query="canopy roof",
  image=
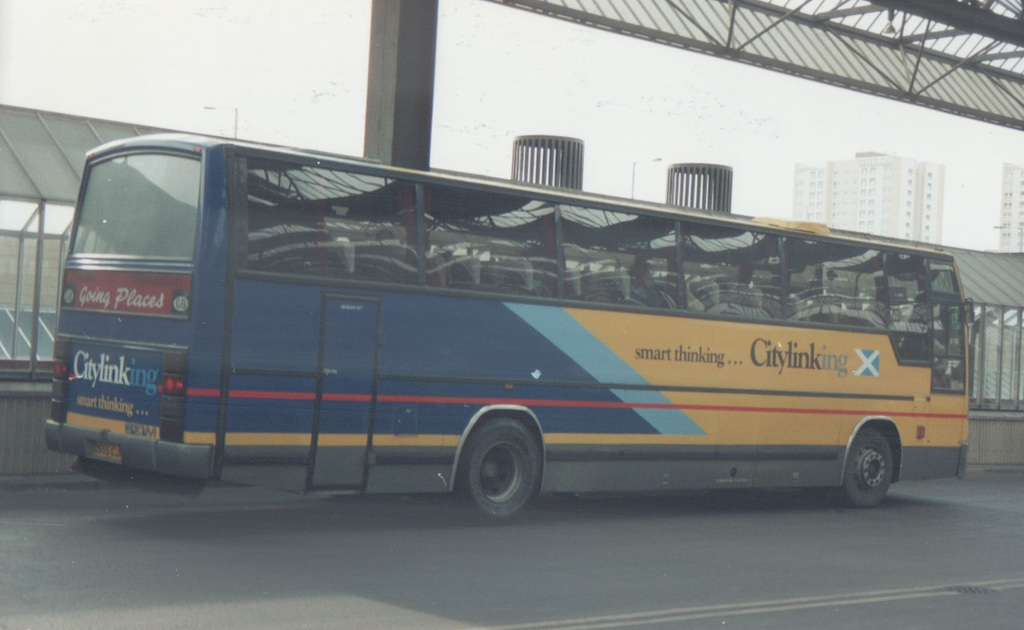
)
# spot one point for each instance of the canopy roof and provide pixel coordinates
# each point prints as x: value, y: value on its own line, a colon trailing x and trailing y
x: 991, y: 278
x: 42, y: 154
x: 965, y: 57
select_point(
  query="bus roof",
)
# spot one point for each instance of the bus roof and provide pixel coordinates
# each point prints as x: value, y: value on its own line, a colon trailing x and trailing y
x: 197, y: 143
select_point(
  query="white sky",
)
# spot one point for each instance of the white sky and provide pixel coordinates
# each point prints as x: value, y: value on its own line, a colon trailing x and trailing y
x: 296, y: 72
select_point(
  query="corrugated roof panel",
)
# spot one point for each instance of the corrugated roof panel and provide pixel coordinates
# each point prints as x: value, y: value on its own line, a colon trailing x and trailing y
x: 110, y: 131
x: 888, y: 70
x: 985, y: 91
x: 936, y: 83
x: 619, y: 11
x: 14, y: 180
x: 34, y: 148
x: 821, y: 51
x: 637, y: 15
x: 74, y: 139
x: 973, y: 94
x: 708, y: 23
x: 1011, y: 95
x: 755, y: 35
x: 659, y: 20
x: 968, y: 92
x: 655, y: 18
x: 817, y: 52
x: 985, y: 274
x: 42, y: 154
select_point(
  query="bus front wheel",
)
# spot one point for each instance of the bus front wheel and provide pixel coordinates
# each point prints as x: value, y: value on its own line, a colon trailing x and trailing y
x: 869, y: 468
x: 501, y: 468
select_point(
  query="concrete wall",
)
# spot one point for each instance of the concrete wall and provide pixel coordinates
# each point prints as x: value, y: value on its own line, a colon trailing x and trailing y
x: 23, y: 408
x: 996, y: 439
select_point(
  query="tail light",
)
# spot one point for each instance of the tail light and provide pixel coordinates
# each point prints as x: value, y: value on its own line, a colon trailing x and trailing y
x: 61, y: 374
x: 173, y: 388
x: 173, y: 385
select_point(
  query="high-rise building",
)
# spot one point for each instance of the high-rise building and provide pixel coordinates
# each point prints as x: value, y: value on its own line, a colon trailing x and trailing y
x: 1011, y: 216
x: 875, y: 193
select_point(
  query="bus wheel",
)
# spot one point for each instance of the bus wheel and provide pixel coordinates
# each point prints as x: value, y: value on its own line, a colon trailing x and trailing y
x: 500, y: 468
x: 868, y: 469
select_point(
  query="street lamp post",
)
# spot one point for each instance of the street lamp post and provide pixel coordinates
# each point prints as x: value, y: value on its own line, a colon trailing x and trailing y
x: 233, y: 109
x: 1020, y: 236
x: 632, y: 185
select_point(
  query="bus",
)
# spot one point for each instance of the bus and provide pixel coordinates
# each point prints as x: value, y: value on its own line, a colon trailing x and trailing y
x: 264, y: 315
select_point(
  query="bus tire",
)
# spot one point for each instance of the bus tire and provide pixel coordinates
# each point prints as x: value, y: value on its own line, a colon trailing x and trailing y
x: 500, y: 468
x: 868, y: 470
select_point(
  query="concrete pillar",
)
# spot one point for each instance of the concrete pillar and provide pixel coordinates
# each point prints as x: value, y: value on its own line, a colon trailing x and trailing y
x: 400, y: 84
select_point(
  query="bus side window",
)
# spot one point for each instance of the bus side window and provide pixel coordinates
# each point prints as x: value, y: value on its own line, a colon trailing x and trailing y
x: 909, y: 312
x: 385, y: 256
x: 831, y: 283
x: 290, y: 239
x: 491, y: 242
x: 948, y: 348
x: 313, y: 221
x: 732, y: 271
x: 618, y: 258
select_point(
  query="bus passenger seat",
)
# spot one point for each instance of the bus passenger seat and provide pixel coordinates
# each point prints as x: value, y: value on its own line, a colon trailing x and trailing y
x: 464, y: 271
x: 609, y: 287
x: 705, y: 289
x: 572, y: 285
x: 511, y: 275
x: 342, y: 256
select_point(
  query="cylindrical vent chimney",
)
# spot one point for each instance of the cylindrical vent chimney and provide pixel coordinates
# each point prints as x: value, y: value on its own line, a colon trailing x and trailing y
x: 704, y: 186
x: 548, y: 161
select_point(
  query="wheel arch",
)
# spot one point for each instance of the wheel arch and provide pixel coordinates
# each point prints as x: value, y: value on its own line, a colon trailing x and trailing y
x: 523, y: 415
x: 885, y: 426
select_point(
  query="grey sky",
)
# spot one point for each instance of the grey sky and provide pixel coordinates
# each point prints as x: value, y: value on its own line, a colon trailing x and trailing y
x: 296, y: 72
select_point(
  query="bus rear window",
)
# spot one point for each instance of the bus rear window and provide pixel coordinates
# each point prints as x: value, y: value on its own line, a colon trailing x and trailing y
x: 140, y: 206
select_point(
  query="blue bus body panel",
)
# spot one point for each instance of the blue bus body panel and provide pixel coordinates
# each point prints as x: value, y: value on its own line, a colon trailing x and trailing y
x: 446, y: 357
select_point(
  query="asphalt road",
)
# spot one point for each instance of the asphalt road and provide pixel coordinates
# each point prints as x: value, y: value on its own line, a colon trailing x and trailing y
x: 937, y: 554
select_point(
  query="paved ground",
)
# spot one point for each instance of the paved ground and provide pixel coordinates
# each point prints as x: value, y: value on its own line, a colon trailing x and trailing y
x: 941, y: 554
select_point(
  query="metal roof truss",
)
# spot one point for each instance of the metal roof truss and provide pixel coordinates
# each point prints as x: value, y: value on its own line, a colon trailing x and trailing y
x: 965, y: 57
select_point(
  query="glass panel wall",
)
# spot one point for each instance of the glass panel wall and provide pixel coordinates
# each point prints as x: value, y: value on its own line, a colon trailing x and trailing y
x: 991, y: 322
x: 1009, y: 364
x: 29, y: 282
x: 997, y: 378
x: 976, y: 339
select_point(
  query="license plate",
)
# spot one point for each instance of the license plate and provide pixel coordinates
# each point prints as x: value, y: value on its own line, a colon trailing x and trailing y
x: 105, y: 451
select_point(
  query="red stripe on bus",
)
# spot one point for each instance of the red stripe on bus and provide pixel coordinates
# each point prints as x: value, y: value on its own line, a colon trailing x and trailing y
x: 267, y: 395
x: 205, y: 393
x: 347, y: 397
x: 538, y: 402
x: 526, y: 402
x: 263, y: 395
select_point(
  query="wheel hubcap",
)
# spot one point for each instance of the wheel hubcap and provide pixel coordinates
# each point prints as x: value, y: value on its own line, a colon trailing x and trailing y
x: 871, y: 468
x: 500, y: 472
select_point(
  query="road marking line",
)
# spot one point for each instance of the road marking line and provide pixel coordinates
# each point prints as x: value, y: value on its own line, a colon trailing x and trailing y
x: 675, y: 615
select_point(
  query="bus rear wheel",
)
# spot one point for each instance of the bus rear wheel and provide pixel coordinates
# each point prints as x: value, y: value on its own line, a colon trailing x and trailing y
x: 500, y: 468
x: 868, y: 471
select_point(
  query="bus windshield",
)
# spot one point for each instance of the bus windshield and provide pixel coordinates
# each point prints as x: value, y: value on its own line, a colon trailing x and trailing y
x: 140, y: 206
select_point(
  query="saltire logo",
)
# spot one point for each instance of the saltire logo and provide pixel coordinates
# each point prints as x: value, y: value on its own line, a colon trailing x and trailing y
x: 590, y: 353
x: 870, y: 363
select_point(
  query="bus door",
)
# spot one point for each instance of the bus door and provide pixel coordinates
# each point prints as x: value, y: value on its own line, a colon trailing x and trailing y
x: 346, y: 392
